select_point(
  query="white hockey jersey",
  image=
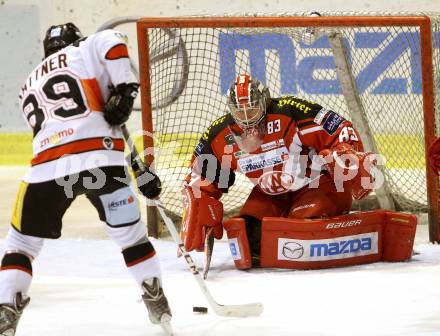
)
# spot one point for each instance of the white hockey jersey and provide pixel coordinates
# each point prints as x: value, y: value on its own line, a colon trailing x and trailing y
x: 62, y: 101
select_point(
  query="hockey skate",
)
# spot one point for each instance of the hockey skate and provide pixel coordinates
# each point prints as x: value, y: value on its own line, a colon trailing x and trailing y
x: 157, y: 304
x: 10, y: 315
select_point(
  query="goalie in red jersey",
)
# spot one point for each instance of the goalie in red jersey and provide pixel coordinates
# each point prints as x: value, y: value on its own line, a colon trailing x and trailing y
x: 305, y: 161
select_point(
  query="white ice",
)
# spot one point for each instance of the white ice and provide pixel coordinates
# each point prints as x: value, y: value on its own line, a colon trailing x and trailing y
x: 81, y: 287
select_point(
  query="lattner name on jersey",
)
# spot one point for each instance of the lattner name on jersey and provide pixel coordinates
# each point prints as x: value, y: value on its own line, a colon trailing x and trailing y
x: 49, y: 65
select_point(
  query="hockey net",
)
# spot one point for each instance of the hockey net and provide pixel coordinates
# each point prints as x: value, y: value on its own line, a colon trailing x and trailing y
x: 392, y: 63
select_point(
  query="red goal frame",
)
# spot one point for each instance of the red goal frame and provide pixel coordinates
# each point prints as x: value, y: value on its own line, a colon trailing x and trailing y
x: 423, y: 22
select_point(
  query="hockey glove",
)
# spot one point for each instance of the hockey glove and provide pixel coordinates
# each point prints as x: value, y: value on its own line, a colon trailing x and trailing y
x: 347, y: 165
x: 434, y: 156
x: 148, y: 183
x: 200, y: 213
x: 118, y: 107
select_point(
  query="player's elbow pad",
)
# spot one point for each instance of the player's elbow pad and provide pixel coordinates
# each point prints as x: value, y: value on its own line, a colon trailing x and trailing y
x: 118, y: 107
x: 200, y: 211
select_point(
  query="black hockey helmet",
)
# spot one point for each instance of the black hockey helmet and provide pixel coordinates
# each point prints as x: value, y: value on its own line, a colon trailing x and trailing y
x: 60, y: 36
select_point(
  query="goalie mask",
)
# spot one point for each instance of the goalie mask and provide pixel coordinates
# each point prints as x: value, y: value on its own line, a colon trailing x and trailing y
x: 59, y: 37
x: 247, y: 101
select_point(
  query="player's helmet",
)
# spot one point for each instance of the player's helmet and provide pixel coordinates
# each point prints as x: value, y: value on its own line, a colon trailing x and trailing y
x: 247, y: 101
x: 59, y: 37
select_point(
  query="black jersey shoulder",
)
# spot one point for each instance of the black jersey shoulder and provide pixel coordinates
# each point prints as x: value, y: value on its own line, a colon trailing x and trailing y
x: 297, y: 108
x: 223, y: 178
x: 216, y: 127
x: 204, y: 144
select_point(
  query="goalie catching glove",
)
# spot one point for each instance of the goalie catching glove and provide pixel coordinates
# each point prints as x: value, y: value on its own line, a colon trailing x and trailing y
x: 200, y: 213
x: 345, y: 164
x: 118, y: 107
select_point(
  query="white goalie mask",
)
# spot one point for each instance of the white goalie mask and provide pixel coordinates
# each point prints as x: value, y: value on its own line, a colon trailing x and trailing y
x: 247, y: 102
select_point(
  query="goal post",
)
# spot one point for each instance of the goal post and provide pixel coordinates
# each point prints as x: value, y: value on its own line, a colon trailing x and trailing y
x: 391, y: 63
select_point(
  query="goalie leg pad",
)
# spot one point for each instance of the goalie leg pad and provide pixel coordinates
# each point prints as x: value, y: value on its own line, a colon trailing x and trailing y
x: 238, y: 242
x: 352, y: 239
x: 398, y: 239
x: 313, y: 244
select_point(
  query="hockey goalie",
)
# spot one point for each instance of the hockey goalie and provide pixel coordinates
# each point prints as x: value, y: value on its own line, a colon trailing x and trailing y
x: 306, y: 163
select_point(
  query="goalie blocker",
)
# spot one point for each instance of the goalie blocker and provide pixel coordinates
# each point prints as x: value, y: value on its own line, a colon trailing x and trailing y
x: 346, y: 240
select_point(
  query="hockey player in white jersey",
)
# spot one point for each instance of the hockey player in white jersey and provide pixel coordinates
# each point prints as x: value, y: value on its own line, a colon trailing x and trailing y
x: 75, y: 101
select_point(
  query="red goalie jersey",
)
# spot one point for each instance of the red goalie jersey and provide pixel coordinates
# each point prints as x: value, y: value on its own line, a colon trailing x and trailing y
x: 296, y: 131
x: 305, y: 161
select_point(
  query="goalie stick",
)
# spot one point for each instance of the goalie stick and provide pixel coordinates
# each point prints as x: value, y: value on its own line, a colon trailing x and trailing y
x: 209, y: 247
x: 242, y: 310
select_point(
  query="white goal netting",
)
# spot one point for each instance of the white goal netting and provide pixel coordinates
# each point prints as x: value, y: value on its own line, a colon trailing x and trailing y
x: 191, y: 69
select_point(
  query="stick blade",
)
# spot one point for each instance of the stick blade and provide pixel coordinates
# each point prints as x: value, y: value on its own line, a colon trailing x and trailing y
x: 244, y: 310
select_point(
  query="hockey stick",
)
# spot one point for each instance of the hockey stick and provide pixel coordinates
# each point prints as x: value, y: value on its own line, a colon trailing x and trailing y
x: 243, y: 310
x: 133, y: 151
x: 166, y: 326
x: 209, y: 247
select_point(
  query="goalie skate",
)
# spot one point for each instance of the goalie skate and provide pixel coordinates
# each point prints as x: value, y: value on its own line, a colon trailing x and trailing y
x: 156, y: 302
x: 10, y: 315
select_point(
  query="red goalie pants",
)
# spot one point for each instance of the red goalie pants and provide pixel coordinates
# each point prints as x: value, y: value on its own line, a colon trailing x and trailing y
x: 324, y: 201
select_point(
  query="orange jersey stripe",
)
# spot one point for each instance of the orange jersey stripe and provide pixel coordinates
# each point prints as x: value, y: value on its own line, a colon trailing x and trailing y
x: 93, y: 94
x: 76, y: 147
x: 117, y: 52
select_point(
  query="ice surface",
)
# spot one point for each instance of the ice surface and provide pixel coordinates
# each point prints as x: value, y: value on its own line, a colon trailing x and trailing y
x: 81, y: 287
